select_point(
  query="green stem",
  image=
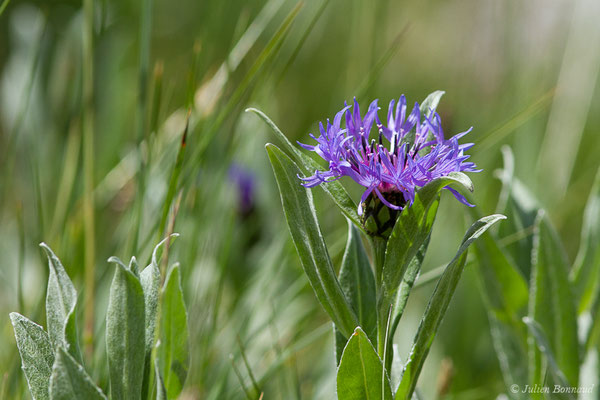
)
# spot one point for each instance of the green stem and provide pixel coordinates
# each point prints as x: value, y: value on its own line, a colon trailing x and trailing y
x: 379, y: 246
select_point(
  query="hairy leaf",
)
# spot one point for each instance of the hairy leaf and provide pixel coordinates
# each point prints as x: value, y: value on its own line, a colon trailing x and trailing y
x: 552, y: 303
x: 358, y: 285
x: 334, y: 189
x: 61, y: 300
x: 360, y: 375
x: 302, y: 221
x: 125, y: 335
x: 69, y: 380
x: 436, y: 309
x: 36, y: 353
x: 173, y: 351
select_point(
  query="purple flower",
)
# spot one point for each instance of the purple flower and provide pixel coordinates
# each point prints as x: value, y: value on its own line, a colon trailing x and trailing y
x: 404, y: 155
x: 244, y: 179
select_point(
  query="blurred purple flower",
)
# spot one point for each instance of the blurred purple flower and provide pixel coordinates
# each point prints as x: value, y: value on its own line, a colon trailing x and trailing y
x: 245, y: 182
x: 416, y: 152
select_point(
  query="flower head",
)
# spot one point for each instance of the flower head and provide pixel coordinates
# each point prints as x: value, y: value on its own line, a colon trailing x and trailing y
x: 405, y: 153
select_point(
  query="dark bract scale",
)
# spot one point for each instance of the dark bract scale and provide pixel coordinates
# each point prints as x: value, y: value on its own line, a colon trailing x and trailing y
x: 394, y: 161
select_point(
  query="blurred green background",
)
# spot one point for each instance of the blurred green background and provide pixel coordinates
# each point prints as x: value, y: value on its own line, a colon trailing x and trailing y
x: 91, y: 177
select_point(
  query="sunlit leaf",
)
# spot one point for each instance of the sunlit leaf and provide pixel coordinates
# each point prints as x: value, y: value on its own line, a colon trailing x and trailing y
x: 437, y: 307
x: 36, y: 353
x: 70, y: 381
x: 173, y: 350
x: 361, y: 375
x: 308, y: 166
x: 61, y: 300
x: 412, y: 228
x: 552, y: 303
x: 358, y: 284
x: 125, y: 335
x: 302, y: 221
x: 586, y: 271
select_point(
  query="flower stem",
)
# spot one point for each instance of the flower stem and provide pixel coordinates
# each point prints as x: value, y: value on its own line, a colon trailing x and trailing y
x: 379, y: 246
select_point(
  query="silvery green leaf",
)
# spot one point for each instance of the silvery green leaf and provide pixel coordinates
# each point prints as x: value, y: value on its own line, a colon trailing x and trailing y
x: 36, y: 353
x: 134, y: 267
x: 408, y: 280
x: 173, y: 352
x: 505, y: 295
x: 437, y: 307
x: 358, y: 285
x: 542, y: 344
x: 551, y: 302
x: 125, y: 335
x: 304, y: 227
x: 69, y: 380
x: 61, y: 300
x: 429, y: 105
x: 412, y: 228
x: 150, y: 280
x: 361, y: 374
x: 586, y: 270
x: 334, y: 189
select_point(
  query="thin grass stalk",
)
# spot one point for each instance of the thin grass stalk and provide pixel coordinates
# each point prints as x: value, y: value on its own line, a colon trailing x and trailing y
x: 142, y: 114
x: 21, y: 264
x: 173, y: 181
x: 3, y: 6
x: 67, y: 180
x: 302, y: 40
x: 88, y: 177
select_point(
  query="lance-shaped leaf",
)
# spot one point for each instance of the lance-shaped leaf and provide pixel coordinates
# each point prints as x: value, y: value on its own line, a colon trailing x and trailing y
x: 541, y: 341
x: 361, y: 375
x: 431, y: 102
x: 505, y: 295
x: 586, y: 271
x: 408, y: 281
x: 510, y: 344
x: 150, y: 280
x: 521, y: 212
x: 410, y: 232
x: 36, y: 353
x: 358, y: 284
x: 125, y: 335
x: 69, y: 380
x: 302, y: 221
x: 552, y: 303
x: 61, y: 300
x: 334, y: 189
x: 436, y: 309
x: 173, y: 351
